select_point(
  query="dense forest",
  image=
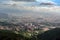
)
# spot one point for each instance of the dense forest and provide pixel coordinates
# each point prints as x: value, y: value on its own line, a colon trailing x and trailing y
x: 48, y: 35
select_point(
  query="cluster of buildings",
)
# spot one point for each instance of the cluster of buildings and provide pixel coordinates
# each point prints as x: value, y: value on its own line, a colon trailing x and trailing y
x: 27, y: 27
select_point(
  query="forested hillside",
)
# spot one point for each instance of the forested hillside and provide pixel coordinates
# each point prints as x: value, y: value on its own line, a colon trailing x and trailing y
x: 50, y: 35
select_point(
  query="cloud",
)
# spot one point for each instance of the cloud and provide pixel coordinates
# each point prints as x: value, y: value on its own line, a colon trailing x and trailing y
x: 46, y: 1
x: 43, y: 0
x: 25, y: 0
x: 30, y: 10
x: 50, y: 13
x: 6, y: 2
x: 19, y: 2
x: 28, y: 2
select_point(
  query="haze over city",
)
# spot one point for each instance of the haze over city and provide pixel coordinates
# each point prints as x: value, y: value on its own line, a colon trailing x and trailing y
x: 47, y: 9
x: 29, y: 19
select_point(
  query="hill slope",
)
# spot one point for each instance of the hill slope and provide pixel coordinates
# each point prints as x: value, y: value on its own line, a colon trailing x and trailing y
x: 50, y: 35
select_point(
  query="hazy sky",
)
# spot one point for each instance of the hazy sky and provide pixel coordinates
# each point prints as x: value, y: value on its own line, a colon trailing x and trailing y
x: 24, y: 8
x: 38, y: 9
x: 57, y: 2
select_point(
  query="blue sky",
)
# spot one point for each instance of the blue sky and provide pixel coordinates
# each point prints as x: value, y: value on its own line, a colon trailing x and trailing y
x: 57, y: 1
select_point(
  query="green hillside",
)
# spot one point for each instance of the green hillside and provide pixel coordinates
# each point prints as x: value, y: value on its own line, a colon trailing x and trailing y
x: 10, y: 35
x: 50, y: 35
